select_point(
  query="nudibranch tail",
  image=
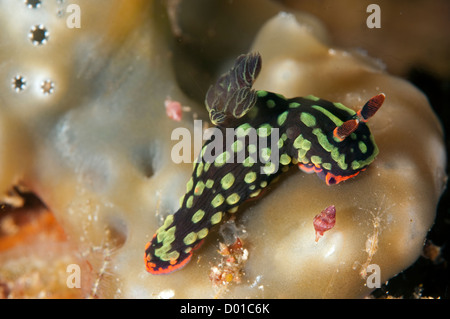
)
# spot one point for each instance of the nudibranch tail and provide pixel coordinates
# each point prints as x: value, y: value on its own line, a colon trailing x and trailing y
x: 159, y: 266
x: 319, y: 136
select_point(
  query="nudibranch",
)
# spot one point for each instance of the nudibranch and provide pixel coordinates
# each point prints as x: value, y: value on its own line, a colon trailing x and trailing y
x: 270, y: 134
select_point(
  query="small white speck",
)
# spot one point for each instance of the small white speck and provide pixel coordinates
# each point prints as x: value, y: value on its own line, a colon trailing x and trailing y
x: 256, y: 282
x: 330, y: 251
x: 166, y: 294
x: 245, y: 254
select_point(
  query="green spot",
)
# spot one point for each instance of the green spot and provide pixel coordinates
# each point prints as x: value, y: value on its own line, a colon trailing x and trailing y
x: 323, y: 140
x: 233, y: 210
x: 245, y: 126
x: 316, y: 160
x: 222, y: 159
x: 298, y: 141
x: 302, y: 155
x: 269, y: 168
x: 168, y: 221
x: 209, y: 183
x: 280, y: 143
x: 256, y: 193
x: 261, y: 93
x: 341, y: 162
x: 339, y: 158
x: 216, y: 218
x: 173, y: 255
x: 227, y: 181
x: 166, y: 236
x: 308, y: 119
x: 233, y: 199
x: 270, y: 104
x: 301, y: 143
x: 264, y: 130
x: 265, y: 154
x: 162, y: 230
x: 306, y: 145
x: 189, y: 201
x: 182, y: 199
x: 312, y: 98
x: 199, y: 169
x: 294, y: 105
x: 252, y: 149
x: 237, y: 146
x: 161, y: 252
x: 249, y: 161
x: 335, y: 154
x: 344, y: 108
x: 372, y: 156
x: 263, y: 184
x: 190, y: 238
x: 170, y: 234
x: 337, y: 121
x: 217, y: 201
x: 284, y: 136
x: 203, y: 150
x: 362, y: 147
x: 199, y: 187
x: 243, y: 129
x: 282, y: 118
x: 206, y: 167
x: 327, y: 166
x: 285, y: 159
x: 189, y: 185
x: 198, y: 216
x: 202, y: 233
x: 250, y: 177
x: 355, y: 165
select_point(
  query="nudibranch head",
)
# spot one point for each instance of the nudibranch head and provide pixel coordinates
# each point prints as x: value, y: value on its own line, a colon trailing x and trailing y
x: 345, y: 144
